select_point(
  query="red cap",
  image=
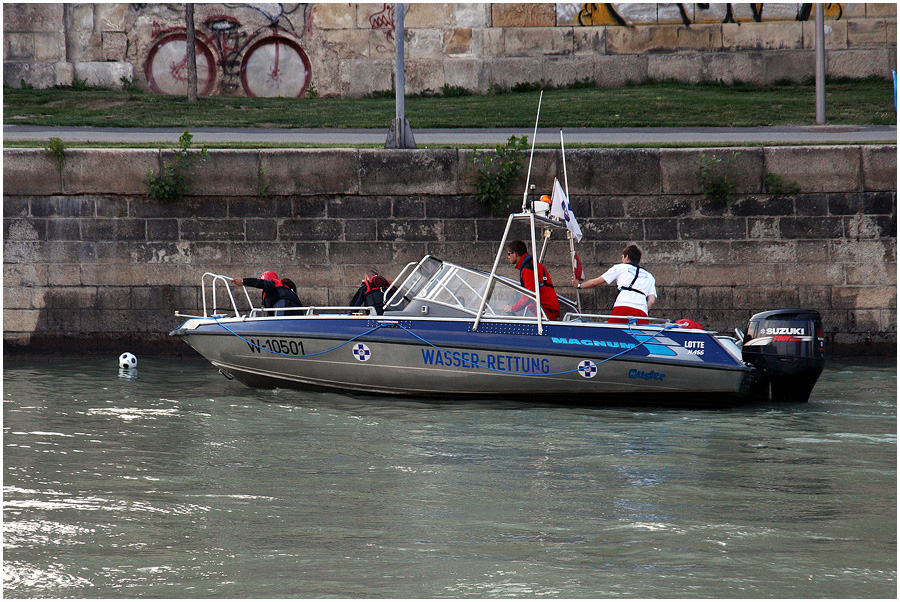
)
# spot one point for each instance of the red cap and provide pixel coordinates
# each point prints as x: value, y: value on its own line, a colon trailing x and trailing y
x: 269, y: 276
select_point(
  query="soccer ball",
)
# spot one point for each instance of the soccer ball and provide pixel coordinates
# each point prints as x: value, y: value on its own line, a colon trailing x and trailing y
x: 127, y: 361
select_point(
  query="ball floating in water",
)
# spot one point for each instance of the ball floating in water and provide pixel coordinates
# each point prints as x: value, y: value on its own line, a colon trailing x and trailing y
x: 127, y: 361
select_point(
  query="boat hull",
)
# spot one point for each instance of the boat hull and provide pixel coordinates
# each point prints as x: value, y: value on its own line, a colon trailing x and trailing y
x: 568, y: 362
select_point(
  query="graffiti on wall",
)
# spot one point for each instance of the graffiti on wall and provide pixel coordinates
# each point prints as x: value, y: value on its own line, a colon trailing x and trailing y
x: 263, y: 61
x: 628, y: 14
x: 383, y: 21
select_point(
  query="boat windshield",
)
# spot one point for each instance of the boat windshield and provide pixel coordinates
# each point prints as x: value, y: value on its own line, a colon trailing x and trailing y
x: 462, y: 289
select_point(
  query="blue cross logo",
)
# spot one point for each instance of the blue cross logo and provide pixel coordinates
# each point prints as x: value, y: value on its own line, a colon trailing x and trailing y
x: 361, y: 352
x: 587, y: 369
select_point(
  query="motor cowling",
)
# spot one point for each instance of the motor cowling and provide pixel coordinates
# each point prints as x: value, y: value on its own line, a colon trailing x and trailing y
x: 788, y: 347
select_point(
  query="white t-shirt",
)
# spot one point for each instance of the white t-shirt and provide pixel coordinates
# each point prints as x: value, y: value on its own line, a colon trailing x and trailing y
x: 621, y: 275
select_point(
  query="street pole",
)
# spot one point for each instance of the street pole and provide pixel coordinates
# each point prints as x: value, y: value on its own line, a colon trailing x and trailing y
x: 820, y: 64
x: 400, y: 134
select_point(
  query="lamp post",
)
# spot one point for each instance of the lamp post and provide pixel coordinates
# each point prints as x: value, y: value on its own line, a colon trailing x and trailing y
x: 820, y: 64
x: 400, y: 134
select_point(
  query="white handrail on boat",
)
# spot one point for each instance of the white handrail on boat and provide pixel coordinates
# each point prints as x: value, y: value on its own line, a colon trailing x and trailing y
x: 226, y: 280
x: 651, y: 322
x: 314, y: 310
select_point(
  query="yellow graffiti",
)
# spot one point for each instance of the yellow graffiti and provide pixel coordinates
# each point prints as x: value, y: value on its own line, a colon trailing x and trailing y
x: 628, y: 14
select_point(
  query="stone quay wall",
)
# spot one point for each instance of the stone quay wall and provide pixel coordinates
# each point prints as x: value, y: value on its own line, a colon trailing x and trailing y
x: 349, y: 47
x: 91, y: 264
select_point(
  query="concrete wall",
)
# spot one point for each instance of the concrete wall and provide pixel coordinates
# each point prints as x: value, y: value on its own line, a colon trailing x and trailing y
x: 350, y: 47
x: 91, y: 264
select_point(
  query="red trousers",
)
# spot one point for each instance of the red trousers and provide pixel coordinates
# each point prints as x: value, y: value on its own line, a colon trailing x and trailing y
x: 624, y: 310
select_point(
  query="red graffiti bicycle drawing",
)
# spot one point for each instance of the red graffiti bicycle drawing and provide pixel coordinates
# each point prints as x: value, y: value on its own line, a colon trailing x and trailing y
x: 266, y: 62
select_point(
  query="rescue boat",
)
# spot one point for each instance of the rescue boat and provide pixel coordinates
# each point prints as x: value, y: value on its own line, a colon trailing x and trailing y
x: 444, y: 334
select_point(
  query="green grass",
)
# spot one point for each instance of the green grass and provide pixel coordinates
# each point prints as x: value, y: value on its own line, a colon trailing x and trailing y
x: 655, y: 104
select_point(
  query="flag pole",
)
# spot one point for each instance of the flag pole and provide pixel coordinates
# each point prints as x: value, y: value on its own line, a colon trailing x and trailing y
x: 569, y: 235
x: 528, y: 177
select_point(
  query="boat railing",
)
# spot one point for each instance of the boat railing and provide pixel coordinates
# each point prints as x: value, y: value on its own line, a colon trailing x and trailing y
x: 211, y: 300
x: 583, y: 317
x: 313, y: 310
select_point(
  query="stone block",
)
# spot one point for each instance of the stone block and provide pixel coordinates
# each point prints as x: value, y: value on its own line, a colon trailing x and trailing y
x: 347, y: 43
x: 756, y: 206
x: 845, y: 204
x: 428, y: 15
x: 537, y: 41
x: 38, y: 75
x: 30, y: 172
x: 617, y: 71
x: 461, y: 42
x: 471, y: 74
x: 108, y: 171
x: 788, y: 65
x: 18, y: 47
x: 641, y: 40
x: 310, y: 230
x: 589, y: 41
x: 863, y: 297
x: 523, y: 15
x: 561, y: 71
x: 62, y: 206
x: 328, y: 16
x: 424, y: 44
x: 114, y: 45
x: 33, y: 17
x: 409, y: 230
x: 713, y: 275
x: 424, y: 76
x: 225, y: 172
x: 721, y: 297
x: 777, y: 35
x: 760, y: 298
x: 114, y: 230
x: 678, y: 169
x: 408, y: 171
x: 507, y: 72
x: 817, y: 169
x: 688, y: 68
x: 879, y: 167
x: 471, y: 15
x: 104, y: 74
x: 811, y: 227
x: 614, y: 171
x: 260, y: 206
x: 358, y: 207
x: 361, y: 77
x: 307, y: 172
x: 713, y: 228
x: 29, y: 229
x: 764, y: 251
x: 861, y: 62
x: 492, y: 43
x: 699, y: 37
x: 835, y: 34
x: 866, y: 33
x: 733, y: 67
x: 625, y: 231
x: 355, y: 253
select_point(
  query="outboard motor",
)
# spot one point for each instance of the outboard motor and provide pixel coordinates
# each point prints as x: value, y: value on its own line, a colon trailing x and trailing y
x: 788, y: 347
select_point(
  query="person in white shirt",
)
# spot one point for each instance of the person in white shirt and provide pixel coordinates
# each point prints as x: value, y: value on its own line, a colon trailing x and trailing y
x: 637, y: 286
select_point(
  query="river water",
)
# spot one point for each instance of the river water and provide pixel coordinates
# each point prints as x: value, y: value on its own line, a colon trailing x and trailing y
x: 173, y: 482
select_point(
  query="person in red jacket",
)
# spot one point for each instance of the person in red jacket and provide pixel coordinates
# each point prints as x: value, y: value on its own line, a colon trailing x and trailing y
x: 517, y: 255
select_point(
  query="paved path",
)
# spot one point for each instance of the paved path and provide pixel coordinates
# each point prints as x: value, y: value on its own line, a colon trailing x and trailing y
x: 487, y: 137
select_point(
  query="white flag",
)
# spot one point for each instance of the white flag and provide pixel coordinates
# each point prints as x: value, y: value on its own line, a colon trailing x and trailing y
x: 560, y: 208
